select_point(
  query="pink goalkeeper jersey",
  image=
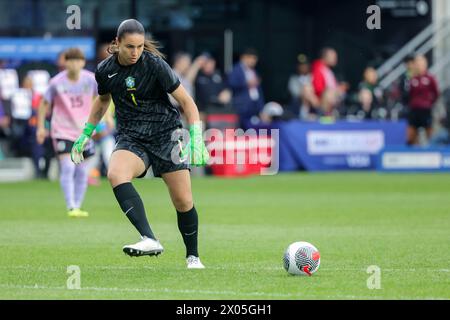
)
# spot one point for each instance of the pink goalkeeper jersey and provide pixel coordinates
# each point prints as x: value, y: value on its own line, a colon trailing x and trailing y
x: 72, y: 102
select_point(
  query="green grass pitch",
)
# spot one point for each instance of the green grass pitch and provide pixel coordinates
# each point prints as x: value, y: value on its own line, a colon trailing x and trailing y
x: 400, y: 223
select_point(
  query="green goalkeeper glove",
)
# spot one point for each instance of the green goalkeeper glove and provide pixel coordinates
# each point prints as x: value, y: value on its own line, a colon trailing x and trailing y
x: 78, y: 147
x: 196, y: 148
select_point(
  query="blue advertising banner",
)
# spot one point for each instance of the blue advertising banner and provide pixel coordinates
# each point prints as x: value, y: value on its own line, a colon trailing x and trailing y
x: 43, y: 49
x: 336, y: 146
x: 404, y: 159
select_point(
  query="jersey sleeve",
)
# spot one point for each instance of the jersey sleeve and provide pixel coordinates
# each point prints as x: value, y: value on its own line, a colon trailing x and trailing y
x: 101, y: 83
x: 166, y: 76
x: 94, y: 86
x: 50, y: 93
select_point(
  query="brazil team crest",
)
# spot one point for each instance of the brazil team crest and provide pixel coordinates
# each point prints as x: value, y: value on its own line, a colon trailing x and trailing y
x: 130, y: 82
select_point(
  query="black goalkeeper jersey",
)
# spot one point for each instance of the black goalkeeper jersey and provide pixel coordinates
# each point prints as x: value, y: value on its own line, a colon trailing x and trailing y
x: 140, y: 94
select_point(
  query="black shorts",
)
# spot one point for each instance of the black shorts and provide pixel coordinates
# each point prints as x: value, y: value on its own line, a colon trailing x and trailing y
x: 65, y: 146
x: 420, y: 118
x: 161, y: 155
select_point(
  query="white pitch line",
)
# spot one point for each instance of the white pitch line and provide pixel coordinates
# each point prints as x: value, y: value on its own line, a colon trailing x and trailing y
x: 242, y: 268
x: 164, y: 290
x: 209, y: 292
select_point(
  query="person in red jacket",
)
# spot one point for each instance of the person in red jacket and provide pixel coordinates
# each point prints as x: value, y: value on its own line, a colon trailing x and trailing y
x: 326, y: 87
x: 423, y: 94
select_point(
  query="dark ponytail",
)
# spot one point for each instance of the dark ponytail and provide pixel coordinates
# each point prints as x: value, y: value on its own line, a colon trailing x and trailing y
x: 134, y: 26
x: 153, y: 46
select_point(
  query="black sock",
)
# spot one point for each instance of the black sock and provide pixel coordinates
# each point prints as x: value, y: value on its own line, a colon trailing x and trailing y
x: 188, y: 226
x: 131, y: 204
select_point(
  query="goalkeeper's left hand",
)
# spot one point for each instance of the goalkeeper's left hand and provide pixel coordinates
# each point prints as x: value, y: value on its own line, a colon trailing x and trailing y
x: 196, y: 147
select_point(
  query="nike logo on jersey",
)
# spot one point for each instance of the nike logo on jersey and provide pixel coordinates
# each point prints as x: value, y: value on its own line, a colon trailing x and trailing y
x: 112, y: 75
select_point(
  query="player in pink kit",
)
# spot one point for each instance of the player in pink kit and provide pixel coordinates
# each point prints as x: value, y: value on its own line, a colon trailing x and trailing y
x: 70, y: 93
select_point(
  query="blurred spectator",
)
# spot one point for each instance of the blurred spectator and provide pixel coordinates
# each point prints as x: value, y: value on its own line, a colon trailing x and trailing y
x: 9, y: 83
x: 272, y: 111
x: 39, y: 80
x: 5, y: 121
x: 299, y: 79
x: 210, y: 88
x: 326, y: 87
x: 370, y: 97
x: 423, y: 93
x: 4, y: 127
x: 397, y: 94
x: 248, y: 98
x: 406, y: 78
x: 187, y: 70
x: 41, y: 154
x: 303, y: 99
x: 21, y: 112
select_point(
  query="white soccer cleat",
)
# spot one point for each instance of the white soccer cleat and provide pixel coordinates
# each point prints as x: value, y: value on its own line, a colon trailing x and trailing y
x: 145, y: 247
x: 194, y: 262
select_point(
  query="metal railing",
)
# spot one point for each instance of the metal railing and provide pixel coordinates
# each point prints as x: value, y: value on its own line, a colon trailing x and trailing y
x: 422, y: 43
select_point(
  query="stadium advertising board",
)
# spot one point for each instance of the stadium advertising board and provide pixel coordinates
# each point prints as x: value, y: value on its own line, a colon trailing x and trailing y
x: 414, y: 159
x: 41, y: 48
x: 336, y: 146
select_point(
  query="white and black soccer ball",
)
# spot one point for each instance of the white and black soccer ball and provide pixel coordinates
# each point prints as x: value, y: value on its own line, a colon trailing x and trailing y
x: 301, y: 258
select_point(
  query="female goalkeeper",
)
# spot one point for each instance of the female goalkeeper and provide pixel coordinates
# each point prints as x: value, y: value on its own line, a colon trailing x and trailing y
x: 148, y: 126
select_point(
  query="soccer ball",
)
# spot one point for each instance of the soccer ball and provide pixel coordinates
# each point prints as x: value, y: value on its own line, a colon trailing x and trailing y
x: 301, y: 258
